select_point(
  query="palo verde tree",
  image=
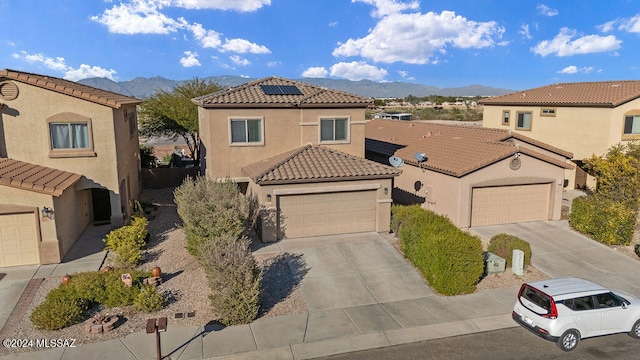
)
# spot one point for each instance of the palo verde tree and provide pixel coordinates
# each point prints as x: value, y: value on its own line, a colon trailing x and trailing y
x: 172, y: 114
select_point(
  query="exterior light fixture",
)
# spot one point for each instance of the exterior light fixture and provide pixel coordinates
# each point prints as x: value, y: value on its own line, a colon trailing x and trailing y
x: 386, y: 191
x: 47, y: 212
x: 269, y: 197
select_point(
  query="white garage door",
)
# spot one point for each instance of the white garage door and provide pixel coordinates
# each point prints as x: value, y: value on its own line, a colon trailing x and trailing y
x: 327, y: 213
x: 18, y: 240
x: 510, y: 204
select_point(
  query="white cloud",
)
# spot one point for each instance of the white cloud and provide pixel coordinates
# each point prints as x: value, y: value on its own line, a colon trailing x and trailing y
x: 272, y: 64
x: 546, y: 11
x: 315, y: 72
x: 58, y: 64
x: 333, y: 24
x: 190, y: 59
x: 242, y: 46
x: 631, y: 25
x: 608, y: 26
x: 239, y: 61
x: 564, y: 44
x: 87, y: 71
x: 207, y: 38
x: 388, y: 7
x: 137, y: 17
x: 358, y: 70
x: 414, y: 38
x: 239, y: 5
x: 524, y: 31
x: 403, y: 73
x: 572, y: 69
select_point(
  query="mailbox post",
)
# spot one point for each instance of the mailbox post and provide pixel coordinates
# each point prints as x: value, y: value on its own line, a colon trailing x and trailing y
x: 157, y: 325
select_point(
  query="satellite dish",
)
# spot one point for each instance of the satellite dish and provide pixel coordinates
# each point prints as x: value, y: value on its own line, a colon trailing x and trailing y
x: 420, y: 157
x: 396, y: 162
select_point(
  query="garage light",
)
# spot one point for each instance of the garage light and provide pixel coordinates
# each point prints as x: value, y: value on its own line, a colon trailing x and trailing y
x: 47, y: 212
x: 386, y: 191
x: 269, y: 197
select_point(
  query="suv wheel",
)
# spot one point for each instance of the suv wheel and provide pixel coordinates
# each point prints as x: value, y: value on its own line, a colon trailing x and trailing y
x: 635, y: 330
x: 570, y: 339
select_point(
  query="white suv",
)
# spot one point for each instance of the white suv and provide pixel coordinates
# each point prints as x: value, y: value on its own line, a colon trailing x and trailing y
x: 569, y: 309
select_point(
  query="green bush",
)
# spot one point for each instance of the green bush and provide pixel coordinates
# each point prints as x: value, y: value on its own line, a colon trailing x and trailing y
x: 147, y: 158
x: 57, y: 314
x: 234, y: 279
x: 211, y: 209
x: 504, y: 244
x: 148, y: 299
x: 128, y: 241
x: 450, y: 260
x: 604, y: 220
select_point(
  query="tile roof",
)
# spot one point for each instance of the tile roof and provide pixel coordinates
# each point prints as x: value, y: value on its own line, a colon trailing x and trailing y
x: 251, y: 95
x: 590, y: 94
x: 455, y: 150
x: 70, y: 88
x: 310, y: 164
x: 26, y: 176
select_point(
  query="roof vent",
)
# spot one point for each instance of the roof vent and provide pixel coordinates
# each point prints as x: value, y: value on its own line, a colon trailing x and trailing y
x: 8, y: 90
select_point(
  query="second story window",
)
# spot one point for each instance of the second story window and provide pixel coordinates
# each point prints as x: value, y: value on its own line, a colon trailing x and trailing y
x: 632, y: 125
x: 524, y: 121
x: 246, y: 132
x: 69, y: 135
x: 334, y: 130
x: 505, y: 117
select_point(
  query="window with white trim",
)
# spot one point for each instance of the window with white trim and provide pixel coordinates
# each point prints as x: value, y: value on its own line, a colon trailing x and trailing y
x: 334, y: 130
x: 505, y: 117
x: 70, y: 135
x: 524, y: 121
x: 246, y: 131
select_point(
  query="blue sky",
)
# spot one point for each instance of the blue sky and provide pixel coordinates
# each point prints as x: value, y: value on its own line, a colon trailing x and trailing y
x: 509, y: 44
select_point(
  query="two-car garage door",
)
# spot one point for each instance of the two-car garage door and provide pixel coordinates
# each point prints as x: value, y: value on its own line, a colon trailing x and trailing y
x: 510, y: 204
x: 18, y: 239
x: 327, y: 213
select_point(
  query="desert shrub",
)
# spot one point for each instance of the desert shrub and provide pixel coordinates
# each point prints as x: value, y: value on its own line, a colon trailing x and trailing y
x: 605, y: 220
x: 128, y: 241
x: 116, y: 293
x: 234, y: 279
x: 504, y: 244
x: 148, y: 299
x: 88, y: 286
x: 210, y: 209
x: 636, y: 249
x: 147, y: 158
x: 56, y: 313
x: 450, y: 260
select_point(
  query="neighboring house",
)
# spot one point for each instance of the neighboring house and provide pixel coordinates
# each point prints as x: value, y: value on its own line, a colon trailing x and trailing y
x: 473, y: 175
x: 299, y: 150
x: 585, y: 118
x: 69, y: 157
x: 393, y: 115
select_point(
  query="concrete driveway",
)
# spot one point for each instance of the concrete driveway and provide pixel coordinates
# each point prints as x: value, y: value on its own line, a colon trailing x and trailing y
x: 559, y: 251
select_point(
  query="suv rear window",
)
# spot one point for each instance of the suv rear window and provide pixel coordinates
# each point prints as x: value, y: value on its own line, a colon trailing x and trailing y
x: 535, y: 300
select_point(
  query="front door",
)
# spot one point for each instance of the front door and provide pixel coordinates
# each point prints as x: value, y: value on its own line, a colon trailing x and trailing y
x: 101, y: 202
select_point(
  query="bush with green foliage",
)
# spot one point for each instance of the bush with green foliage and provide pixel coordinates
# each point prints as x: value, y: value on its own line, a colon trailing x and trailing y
x: 234, y: 279
x: 504, y: 244
x: 148, y: 299
x: 147, y: 158
x: 605, y: 220
x: 210, y: 209
x: 56, y: 314
x: 450, y: 260
x: 128, y: 241
x: 67, y: 304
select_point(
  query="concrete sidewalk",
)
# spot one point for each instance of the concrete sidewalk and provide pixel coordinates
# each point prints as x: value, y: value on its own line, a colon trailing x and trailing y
x: 360, y: 314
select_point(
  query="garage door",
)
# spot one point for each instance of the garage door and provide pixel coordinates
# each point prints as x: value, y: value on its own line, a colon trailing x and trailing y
x: 18, y: 240
x: 327, y: 213
x: 510, y: 204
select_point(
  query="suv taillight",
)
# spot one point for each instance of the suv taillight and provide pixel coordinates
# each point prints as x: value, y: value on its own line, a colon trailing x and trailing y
x: 553, y: 314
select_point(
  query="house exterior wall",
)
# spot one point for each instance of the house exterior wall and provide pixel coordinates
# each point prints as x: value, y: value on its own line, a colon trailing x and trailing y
x: 283, y: 129
x: 451, y: 196
x: 584, y: 131
x: 268, y: 212
x: 116, y: 158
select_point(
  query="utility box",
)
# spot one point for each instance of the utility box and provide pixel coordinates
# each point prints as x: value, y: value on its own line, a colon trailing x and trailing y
x: 493, y: 263
x: 518, y: 262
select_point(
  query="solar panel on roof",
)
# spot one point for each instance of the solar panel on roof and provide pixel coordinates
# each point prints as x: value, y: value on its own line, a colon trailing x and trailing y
x: 280, y: 90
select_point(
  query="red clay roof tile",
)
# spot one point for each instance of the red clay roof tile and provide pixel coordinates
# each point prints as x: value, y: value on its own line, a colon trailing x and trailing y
x: 26, y: 176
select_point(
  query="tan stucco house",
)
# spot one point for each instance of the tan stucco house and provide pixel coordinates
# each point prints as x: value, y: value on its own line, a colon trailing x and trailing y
x: 585, y: 118
x: 473, y: 175
x: 69, y: 157
x: 299, y: 149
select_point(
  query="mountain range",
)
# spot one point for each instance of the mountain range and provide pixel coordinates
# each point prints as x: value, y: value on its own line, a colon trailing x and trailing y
x: 141, y: 87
